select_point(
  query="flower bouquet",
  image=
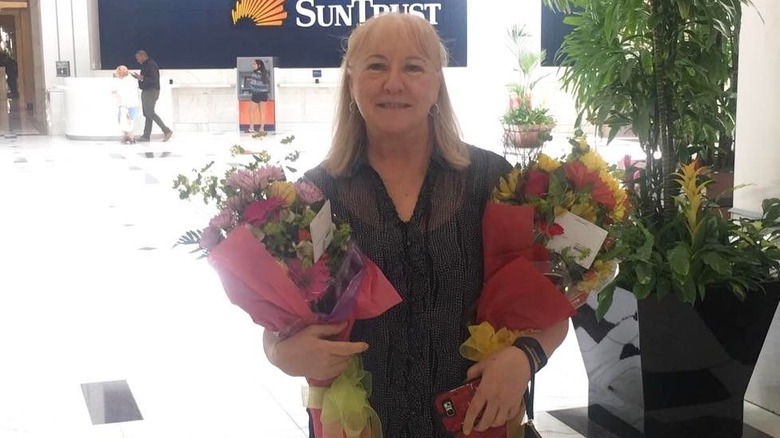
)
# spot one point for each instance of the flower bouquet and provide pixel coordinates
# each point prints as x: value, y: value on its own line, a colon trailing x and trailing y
x: 281, y: 258
x: 527, y: 244
x: 577, y: 204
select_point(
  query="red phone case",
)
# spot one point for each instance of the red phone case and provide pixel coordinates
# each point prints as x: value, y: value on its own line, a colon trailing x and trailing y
x: 451, y: 406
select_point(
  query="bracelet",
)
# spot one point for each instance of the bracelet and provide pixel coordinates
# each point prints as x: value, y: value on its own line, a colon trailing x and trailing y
x: 537, y: 358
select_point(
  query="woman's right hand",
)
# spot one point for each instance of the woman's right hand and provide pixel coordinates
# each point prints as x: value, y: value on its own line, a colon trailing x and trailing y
x: 309, y: 353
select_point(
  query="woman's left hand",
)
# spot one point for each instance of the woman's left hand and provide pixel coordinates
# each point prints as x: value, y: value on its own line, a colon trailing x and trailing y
x: 499, y: 397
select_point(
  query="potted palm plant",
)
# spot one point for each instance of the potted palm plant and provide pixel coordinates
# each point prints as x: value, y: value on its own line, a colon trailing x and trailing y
x: 525, y: 125
x: 671, y: 352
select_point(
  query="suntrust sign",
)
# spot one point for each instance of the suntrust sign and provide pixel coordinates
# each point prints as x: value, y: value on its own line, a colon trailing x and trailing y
x: 313, y: 13
x: 299, y: 33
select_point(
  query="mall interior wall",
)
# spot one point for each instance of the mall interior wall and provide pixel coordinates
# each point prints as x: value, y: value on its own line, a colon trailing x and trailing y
x: 202, y: 100
x: 757, y: 163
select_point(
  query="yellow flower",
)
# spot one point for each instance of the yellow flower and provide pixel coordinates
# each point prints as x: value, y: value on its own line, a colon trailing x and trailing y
x: 585, y: 211
x: 569, y: 199
x: 582, y: 144
x: 692, y: 191
x: 507, y: 186
x: 284, y: 190
x: 593, y: 161
x: 547, y: 164
x: 619, y: 213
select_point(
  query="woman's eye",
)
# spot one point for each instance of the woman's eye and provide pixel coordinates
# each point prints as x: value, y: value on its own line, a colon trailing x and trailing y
x: 414, y: 68
x: 376, y: 66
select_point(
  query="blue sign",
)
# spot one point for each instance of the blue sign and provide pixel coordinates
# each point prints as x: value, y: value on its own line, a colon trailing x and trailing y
x: 185, y: 34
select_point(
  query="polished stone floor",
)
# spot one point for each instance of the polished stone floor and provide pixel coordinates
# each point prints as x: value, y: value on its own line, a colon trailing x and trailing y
x: 107, y: 330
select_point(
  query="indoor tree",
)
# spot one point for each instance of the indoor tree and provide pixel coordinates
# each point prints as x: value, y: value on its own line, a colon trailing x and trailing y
x: 664, y: 68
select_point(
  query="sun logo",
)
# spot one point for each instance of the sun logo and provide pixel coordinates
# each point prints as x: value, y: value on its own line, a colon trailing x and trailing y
x: 262, y: 12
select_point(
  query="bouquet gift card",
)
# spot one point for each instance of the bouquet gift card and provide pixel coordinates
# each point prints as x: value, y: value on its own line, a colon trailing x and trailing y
x: 580, y: 239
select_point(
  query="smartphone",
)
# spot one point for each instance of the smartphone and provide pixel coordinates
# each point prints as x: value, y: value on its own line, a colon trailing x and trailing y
x: 451, y: 407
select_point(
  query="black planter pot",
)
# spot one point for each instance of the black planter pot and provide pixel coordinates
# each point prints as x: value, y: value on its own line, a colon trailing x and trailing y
x: 668, y: 369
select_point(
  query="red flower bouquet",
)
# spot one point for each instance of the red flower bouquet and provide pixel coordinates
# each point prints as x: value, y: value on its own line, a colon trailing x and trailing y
x: 529, y: 239
x: 577, y: 202
x: 282, y: 259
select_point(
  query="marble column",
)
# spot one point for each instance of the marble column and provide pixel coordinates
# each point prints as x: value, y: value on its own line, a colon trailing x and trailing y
x: 758, y: 156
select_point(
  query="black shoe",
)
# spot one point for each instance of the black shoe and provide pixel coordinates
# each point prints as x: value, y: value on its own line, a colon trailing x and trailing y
x: 142, y: 139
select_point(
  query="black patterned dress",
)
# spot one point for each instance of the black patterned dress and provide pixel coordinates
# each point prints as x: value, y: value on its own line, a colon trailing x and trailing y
x: 435, y: 262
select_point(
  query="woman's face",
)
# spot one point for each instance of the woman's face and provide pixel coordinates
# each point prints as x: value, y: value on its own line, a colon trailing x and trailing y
x: 394, y: 85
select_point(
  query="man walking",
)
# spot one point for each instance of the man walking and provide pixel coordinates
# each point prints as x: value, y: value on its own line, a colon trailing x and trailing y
x: 11, y: 73
x: 149, y: 83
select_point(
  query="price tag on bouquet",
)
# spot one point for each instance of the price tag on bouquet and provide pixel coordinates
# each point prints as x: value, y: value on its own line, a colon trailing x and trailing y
x: 322, y: 230
x: 581, y: 239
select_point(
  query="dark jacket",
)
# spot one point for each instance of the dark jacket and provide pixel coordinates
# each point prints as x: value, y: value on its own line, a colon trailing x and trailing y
x: 151, y: 75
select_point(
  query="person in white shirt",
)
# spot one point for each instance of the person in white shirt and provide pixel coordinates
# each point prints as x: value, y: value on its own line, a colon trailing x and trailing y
x: 126, y: 92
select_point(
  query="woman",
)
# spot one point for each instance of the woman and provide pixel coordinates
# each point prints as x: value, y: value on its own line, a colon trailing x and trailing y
x: 414, y: 194
x: 260, y: 86
x: 126, y: 92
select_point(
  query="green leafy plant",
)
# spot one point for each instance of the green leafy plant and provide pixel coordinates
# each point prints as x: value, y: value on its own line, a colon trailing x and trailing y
x: 521, y: 109
x: 668, y: 71
x: 697, y: 247
x: 523, y: 115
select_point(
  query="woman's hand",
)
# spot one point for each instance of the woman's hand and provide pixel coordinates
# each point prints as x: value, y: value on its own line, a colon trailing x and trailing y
x: 499, y: 397
x: 309, y: 353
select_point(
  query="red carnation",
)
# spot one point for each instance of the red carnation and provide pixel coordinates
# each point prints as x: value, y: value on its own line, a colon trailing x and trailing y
x: 579, y: 174
x: 602, y: 194
x: 258, y: 212
x: 537, y: 183
x: 550, y: 230
x: 303, y: 235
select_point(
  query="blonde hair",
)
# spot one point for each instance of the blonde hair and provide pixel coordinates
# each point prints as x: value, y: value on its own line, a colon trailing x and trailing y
x: 349, y: 134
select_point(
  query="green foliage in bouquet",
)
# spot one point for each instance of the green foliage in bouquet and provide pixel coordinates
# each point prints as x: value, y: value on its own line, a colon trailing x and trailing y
x: 256, y: 194
x: 582, y: 184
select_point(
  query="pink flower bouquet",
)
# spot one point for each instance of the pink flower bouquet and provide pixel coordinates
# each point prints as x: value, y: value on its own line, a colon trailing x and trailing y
x: 281, y: 258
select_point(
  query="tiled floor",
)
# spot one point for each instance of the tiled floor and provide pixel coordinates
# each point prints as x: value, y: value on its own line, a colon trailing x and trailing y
x: 91, y: 290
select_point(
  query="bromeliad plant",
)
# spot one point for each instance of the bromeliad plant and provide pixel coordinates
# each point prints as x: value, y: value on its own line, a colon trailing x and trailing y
x: 697, y: 247
x: 667, y: 69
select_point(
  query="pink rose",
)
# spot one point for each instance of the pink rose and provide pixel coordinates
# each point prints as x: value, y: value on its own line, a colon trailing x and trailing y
x: 258, y: 212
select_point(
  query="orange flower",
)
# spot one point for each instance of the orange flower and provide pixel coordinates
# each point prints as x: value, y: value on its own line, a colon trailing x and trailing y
x: 579, y: 175
x: 602, y: 194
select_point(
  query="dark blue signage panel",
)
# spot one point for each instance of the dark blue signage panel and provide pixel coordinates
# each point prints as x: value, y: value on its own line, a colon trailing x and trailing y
x: 213, y: 33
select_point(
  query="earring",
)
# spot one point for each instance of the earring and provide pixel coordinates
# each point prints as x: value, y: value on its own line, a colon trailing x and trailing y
x: 434, y: 110
x: 353, y: 107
